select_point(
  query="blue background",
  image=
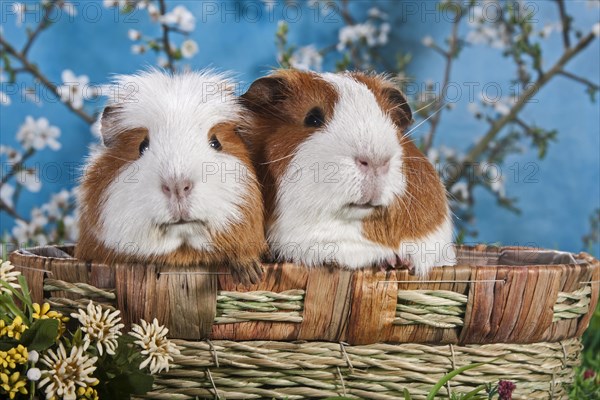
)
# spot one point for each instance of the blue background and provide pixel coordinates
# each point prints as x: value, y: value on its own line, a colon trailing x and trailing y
x: 555, y: 209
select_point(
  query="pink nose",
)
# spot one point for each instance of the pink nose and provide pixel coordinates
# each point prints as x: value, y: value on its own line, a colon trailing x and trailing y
x: 365, y: 165
x: 177, y: 189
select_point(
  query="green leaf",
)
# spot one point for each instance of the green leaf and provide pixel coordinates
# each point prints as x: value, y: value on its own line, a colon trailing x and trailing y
x: 406, y: 394
x: 473, y: 392
x: 134, y: 383
x: 40, y: 335
x: 449, y: 376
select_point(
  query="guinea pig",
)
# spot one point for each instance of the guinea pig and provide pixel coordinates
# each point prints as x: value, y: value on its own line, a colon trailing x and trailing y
x: 343, y: 183
x: 173, y: 182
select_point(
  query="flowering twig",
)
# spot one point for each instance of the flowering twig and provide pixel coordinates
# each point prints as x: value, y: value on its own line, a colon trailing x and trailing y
x: 455, y: 174
x: 43, y: 24
x: 450, y: 56
x: 35, y: 72
x: 165, y: 38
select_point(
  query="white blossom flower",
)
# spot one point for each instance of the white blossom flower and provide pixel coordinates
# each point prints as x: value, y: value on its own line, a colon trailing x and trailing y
x: 189, y: 48
x: 13, y: 155
x: 138, y: 49
x: 9, y: 276
x: 69, y: 8
x: 4, y: 99
x: 474, y: 109
x: 596, y: 29
x: 153, y: 12
x: 433, y: 155
x: 375, y: 12
x: 29, y: 179
x: 75, y: 89
x: 152, y: 338
x: 162, y: 62
x: 67, y: 372
x: 38, y: 134
x: 71, y: 226
x: 114, y: 3
x: 33, y: 356
x: 427, y: 41
x: 134, y: 34
x: 100, y: 326
x: 353, y: 33
x: 307, y: 58
x: 461, y: 190
x: 34, y: 374
x: 180, y: 17
x: 548, y: 29
x: 7, y: 192
x: 497, y: 185
x: 384, y: 31
x: 19, y: 10
x: 25, y: 232
x: 58, y: 204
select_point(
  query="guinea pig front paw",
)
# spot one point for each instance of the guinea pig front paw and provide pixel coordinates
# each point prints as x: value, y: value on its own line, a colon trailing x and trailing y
x: 248, y: 272
x: 397, y: 262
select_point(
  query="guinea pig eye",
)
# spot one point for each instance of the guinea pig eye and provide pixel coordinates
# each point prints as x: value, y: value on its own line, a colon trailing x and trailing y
x: 314, y: 118
x: 144, y: 146
x: 214, y: 143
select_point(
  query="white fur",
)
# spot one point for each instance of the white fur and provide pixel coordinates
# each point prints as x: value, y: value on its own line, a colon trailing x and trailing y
x: 313, y: 224
x: 178, y: 112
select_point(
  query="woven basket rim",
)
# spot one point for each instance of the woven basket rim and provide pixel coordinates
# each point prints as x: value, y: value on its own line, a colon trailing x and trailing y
x: 581, y: 258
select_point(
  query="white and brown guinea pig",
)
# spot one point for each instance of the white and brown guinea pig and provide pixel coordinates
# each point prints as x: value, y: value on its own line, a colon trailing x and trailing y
x: 342, y: 182
x: 173, y: 182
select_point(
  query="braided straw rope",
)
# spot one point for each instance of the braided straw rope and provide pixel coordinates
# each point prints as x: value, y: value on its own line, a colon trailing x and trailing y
x: 572, y: 305
x: 261, y: 369
x: 259, y: 306
x: 80, y: 288
x: 437, y: 308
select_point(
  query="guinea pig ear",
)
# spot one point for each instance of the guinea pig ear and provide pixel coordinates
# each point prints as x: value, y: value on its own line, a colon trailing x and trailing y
x: 401, y: 112
x: 108, y: 125
x: 264, y: 93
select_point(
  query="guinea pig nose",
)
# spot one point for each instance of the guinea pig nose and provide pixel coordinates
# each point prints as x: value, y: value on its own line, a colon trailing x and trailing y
x: 178, y: 189
x: 362, y: 162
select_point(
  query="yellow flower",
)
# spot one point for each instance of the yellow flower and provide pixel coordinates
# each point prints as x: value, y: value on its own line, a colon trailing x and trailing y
x: 14, y: 330
x: 13, y: 384
x: 44, y: 312
x: 16, y: 355
x: 88, y: 393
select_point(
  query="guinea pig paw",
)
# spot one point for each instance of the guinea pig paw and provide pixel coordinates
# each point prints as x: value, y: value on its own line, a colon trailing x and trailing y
x: 389, y: 263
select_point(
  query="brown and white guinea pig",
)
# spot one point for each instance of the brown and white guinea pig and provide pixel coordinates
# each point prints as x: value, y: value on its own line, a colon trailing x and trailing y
x: 342, y: 182
x: 173, y: 182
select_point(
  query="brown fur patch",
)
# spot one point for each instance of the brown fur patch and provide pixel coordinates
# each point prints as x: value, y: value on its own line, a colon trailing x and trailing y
x: 243, y: 243
x: 276, y: 130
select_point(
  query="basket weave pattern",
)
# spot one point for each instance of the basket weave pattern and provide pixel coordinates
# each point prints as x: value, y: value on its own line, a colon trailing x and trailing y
x: 316, y: 333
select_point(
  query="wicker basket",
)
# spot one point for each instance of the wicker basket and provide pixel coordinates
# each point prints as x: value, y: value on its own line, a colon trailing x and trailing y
x: 306, y: 333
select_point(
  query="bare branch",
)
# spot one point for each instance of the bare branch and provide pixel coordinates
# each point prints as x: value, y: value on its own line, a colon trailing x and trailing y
x: 566, y: 23
x: 579, y: 79
x: 499, y: 124
x: 10, y: 211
